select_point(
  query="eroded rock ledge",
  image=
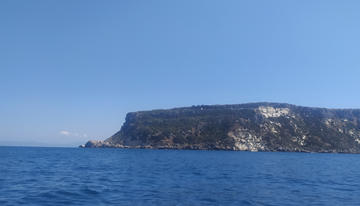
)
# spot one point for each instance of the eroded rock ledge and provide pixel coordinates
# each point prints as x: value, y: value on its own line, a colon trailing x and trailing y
x: 248, y: 127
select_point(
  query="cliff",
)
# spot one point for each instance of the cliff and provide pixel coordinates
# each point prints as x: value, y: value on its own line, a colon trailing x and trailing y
x: 250, y: 127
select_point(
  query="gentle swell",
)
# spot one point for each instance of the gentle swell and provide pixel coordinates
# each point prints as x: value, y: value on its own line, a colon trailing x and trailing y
x: 63, y: 176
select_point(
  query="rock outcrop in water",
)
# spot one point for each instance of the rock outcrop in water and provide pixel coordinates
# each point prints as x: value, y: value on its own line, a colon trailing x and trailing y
x: 249, y: 127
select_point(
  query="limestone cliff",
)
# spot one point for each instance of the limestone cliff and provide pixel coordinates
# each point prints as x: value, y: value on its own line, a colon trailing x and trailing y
x: 250, y: 127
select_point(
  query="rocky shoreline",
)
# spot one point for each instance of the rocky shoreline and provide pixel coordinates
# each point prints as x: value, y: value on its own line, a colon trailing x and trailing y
x: 103, y: 144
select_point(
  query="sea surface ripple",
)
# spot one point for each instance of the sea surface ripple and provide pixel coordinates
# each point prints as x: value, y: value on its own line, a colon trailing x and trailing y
x: 74, y: 176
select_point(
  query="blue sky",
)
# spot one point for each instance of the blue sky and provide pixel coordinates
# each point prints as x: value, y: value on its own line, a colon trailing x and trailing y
x: 71, y: 70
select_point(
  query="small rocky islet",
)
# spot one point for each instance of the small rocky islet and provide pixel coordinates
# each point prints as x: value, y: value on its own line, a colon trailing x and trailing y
x: 245, y: 127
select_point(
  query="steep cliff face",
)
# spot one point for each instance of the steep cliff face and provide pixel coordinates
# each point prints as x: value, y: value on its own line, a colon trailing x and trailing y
x: 251, y: 127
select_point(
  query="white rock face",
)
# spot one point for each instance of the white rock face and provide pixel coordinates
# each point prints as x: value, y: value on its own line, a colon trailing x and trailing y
x: 271, y: 126
x: 301, y: 140
x: 304, y: 137
x: 355, y: 134
x: 328, y: 122
x: 244, y: 140
x: 357, y: 140
x: 273, y: 112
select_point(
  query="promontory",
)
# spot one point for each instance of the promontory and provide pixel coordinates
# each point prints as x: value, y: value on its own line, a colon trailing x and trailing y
x: 248, y: 127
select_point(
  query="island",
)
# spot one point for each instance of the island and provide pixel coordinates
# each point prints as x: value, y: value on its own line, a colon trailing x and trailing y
x: 245, y: 127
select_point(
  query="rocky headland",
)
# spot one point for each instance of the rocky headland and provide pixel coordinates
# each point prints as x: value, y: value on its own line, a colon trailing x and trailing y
x: 247, y: 127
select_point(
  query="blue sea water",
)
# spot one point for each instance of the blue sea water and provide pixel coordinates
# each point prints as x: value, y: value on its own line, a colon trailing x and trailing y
x: 74, y: 176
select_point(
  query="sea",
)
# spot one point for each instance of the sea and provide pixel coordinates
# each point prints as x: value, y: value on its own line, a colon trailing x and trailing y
x: 78, y: 176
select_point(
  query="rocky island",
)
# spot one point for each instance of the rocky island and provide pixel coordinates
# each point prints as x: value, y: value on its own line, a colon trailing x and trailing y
x: 248, y: 127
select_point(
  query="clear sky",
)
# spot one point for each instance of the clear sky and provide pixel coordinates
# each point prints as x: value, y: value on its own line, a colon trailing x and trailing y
x: 70, y: 70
